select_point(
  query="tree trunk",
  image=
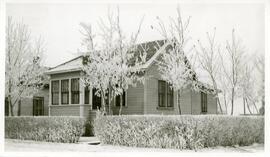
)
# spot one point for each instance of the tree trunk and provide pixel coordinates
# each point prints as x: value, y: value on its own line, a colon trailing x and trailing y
x: 232, y: 101
x: 19, y: 107
x: 179, y: 101
x: 11, y: 113
x: 103, y: 100
x: 121, y: 106
x: 225, y: 103
x: 109, y: 102
x: 248, y: 106
x: 244, y: 103
x: 220, y: 108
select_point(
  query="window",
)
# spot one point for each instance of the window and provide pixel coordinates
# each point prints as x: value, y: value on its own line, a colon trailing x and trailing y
x: 75, y: 91
x: 204, y: 102
x: 65, y: 91
x: 55, y: 92
x: 117, y: 100
x: 169, y: 96
x: 86, y: 95
x: 38, y: 106
x: 96, y: 100
x: 165, y: 94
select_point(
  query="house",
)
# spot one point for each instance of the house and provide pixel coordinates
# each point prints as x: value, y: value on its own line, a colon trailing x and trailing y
x: 36, y: 105
x: 69, y: 97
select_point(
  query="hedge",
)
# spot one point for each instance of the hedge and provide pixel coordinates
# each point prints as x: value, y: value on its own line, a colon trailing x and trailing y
x: 180, y: 132
x: 50, y: 129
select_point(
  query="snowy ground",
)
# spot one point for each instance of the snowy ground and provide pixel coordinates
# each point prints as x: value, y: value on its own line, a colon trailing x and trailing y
x: 34, y: 146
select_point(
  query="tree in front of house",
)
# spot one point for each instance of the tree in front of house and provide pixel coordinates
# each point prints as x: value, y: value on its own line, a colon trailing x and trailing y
x: 23, y: 74
x: 174, y: 66
x: 112, y: 69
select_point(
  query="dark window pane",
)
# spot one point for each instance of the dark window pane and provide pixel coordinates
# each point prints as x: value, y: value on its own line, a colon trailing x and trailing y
x: 86, y: 95
x: 203, y: 102
x: 55, y: 86
x: 75, y: 84
x: 117, y: 100
x: 55, y: 92
x: 38, y: 106
x: 65, y: 91
x: 96, y: 100
x: 161, y: 93
x: 75, y: 91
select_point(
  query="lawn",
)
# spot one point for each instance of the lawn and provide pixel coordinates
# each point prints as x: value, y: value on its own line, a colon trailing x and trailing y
x: 83, y: 146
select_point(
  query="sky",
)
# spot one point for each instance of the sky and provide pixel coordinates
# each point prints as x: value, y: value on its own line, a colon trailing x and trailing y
x: 59, y: 24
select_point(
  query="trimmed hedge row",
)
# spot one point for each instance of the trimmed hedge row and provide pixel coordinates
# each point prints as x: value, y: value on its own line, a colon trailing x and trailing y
x: 50, y: 129
x: 180, y: 132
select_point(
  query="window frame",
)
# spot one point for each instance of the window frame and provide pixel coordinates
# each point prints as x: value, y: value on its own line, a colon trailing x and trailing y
x: 75, y: 92
x: 167, y: 96
x: 42, y: 106
x: 55, y: 92
x: 65, y: 92
x: 204, y: 108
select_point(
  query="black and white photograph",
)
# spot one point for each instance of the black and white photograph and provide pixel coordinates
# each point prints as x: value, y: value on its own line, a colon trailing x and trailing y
x: 140, y: 76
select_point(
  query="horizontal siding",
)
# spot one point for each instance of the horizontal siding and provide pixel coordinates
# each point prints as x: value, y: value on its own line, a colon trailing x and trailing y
x: 211, y: 104
x: 27, y: 107
x: 135, y: 97
x: 65, y: 75
x: 86, y: 110
x: 196, y: 102
x: 65, y: 110
x: 185, y: 101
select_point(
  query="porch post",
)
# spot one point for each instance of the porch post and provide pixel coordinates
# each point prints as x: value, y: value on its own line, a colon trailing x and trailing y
x: 91, y: 98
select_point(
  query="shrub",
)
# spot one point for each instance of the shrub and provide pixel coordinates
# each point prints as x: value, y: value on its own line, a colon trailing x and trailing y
x: 50, y: 129
x: 180, y: 132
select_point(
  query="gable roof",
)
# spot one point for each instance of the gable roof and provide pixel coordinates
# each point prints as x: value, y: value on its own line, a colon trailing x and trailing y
x: 76, y: 64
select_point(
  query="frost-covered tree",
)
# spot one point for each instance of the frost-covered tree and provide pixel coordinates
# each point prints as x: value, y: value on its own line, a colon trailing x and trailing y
x: 232, y: 65
x: 208, y: 57
x: 24, y: 73
x: 174, y: 65
x: 259, y: 64
x: 247, y: 87
x: 112, y: 67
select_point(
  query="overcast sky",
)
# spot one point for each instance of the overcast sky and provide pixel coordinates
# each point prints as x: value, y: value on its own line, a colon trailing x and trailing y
x: 58, y: 24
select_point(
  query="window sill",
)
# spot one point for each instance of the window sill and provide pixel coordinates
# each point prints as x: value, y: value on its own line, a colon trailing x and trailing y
x: 165, y: 108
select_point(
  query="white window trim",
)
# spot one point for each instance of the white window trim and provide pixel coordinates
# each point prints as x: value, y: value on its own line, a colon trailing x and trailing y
x: 59, y: 98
